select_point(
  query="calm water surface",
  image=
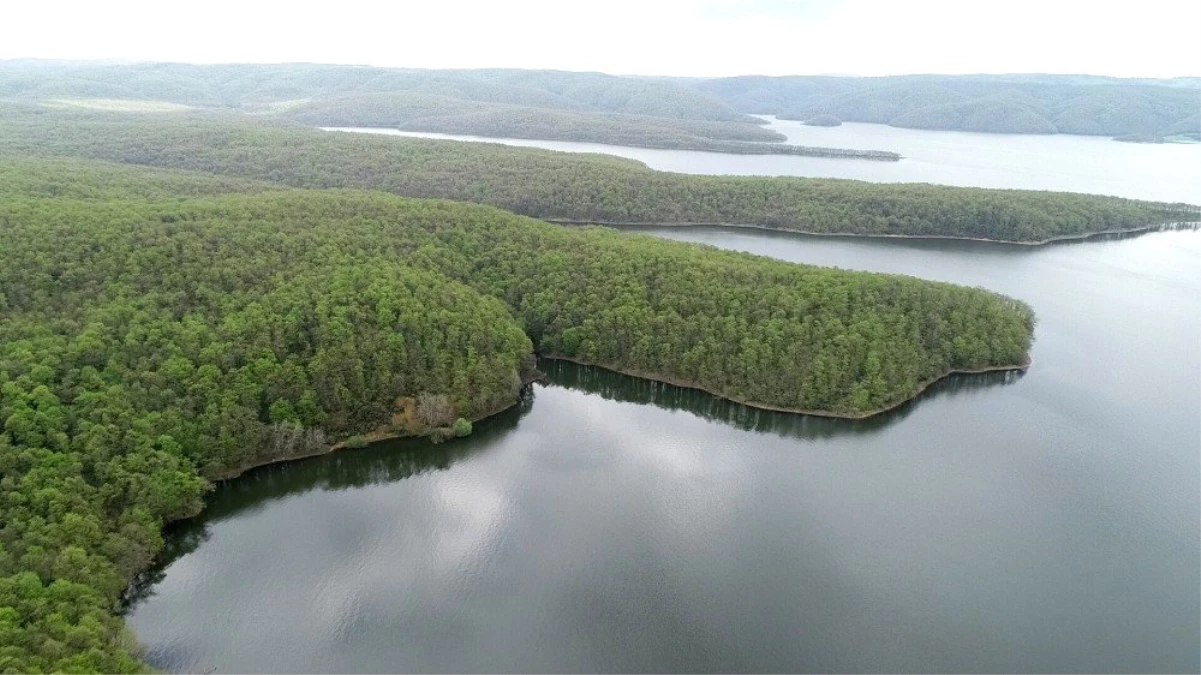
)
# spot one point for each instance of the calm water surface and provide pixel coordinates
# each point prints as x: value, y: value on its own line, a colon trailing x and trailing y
x: 1040, y: 522
x: 1091, y: 164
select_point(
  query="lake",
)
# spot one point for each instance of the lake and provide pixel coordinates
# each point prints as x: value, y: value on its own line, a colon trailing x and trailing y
x: 1091, y: 164
x: 1046, y: 521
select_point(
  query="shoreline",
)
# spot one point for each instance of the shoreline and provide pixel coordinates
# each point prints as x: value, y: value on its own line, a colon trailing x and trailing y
x: 382, y: 434
x: 720, y: 146
x: 922, y: 387
x: 851, y: 235
x: 378, y: 436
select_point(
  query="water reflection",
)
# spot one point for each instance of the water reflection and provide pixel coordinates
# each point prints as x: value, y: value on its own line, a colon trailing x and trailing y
x: 617, y: 387
x: 381, y: 463
x: 618, y: 525
x: 397, y: 460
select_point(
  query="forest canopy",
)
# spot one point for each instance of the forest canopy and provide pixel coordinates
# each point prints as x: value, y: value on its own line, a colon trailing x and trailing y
x: 188, y: 294
x: 1033, y: 104
x: 160, y: 329
x: 585, y: 107
x: 565, y: 186
x: 363, y: 96
x: 257, y: 87
x: 429, y: 113
x: 194, y: 283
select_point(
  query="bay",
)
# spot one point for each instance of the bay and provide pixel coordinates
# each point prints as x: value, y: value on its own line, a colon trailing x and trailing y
x: 1045, y: 522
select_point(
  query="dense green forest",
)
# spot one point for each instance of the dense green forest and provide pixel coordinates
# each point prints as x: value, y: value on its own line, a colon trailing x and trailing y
x: 414, y: 110
x: 662, y: 112
x: 255, y: 87
x: 1037, y: 104
x: 411, y: 111
x: 187, y: 295
x: 565, y: 186
x: 585, y: 107
x: 159, y: 329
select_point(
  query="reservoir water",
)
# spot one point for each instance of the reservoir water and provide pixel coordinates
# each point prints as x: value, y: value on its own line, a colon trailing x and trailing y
x: 1092, y: 164
x: 1040, y: 522
x: 1044, y: 522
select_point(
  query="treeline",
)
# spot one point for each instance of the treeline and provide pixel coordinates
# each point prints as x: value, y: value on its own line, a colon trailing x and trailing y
x: 422, y: 112
x: 569, y: 186
x: 152, y: 339
x: 1034, y: 104
x: 257, y: 87
x: 823, y: 121
x: 583, y: 107
x: 988, y: 103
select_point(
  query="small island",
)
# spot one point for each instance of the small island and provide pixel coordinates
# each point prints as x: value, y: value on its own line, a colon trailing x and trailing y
x: 824, y: 120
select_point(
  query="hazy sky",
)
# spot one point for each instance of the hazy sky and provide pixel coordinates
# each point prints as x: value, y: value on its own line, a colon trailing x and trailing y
x: 1148, y: 38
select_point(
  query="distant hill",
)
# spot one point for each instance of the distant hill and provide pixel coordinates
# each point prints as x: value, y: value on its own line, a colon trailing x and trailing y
x: 416, y: 111
x: 422, y: 111
x: 1038, y: 104
x: 824, y: 121
x: 547, y: 105
x: 248, y: 85
x: 662, y: 112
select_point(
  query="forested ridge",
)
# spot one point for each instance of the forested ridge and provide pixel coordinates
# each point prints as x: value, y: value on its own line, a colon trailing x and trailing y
x: 420, y: 111
x: 607, y: 109
x: 256, y: 87
x: 1034, y: 104
x: 162, y: 328
x: 438, y: 114
x: 586, y: 107
x: 185, y: 296
x: 567, y: 186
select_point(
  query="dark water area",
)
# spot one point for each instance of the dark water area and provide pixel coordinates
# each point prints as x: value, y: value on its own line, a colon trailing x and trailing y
x: 1040, y: 522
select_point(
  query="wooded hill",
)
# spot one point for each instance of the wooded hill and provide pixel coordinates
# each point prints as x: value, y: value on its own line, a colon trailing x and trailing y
x: 565, y: 186
x: 411, y: 111
x: 551, y: 105
x: 256, y: 86
x: 1034, y: 104
x: 601, y: 108
x: 162, y: 328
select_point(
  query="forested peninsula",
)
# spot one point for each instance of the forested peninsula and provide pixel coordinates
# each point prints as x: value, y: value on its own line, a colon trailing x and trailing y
x: 438, y: 114
x: 162, y: 328
x: 212, y: 285
x: 568, y: 186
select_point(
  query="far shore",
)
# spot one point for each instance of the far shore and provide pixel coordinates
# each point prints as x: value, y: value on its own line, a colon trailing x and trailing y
x: 724, y: 146
x: 853, y: 235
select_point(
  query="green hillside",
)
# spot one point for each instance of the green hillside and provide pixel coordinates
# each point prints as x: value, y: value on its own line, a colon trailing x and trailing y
x: 156, y: 334
x: 998, y: 104
x: 567, y: 186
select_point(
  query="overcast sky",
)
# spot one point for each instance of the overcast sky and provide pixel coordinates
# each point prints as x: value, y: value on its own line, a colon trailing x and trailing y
x: 1147, y: 38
